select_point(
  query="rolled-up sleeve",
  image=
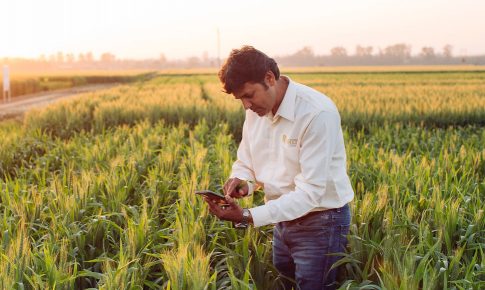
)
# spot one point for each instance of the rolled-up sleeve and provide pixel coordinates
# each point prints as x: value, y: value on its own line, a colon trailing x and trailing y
x: 317, y: 147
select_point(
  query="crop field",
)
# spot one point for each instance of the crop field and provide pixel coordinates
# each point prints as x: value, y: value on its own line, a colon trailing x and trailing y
x: 97, y: 191
x: 24, y: 83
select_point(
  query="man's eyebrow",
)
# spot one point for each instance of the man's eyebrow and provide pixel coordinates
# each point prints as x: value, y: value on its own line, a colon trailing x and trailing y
x: 247, y: 95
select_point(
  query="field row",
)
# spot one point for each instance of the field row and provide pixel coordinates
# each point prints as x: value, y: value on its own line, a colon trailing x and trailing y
x: 439, y: 100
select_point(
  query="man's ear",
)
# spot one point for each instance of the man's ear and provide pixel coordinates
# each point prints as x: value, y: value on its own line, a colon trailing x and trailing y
x: 270, y: 78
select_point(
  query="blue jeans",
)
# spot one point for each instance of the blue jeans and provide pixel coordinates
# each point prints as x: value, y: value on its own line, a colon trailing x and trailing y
x: 300, y: 248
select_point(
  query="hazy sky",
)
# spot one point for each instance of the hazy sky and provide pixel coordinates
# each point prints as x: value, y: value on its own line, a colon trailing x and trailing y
x: 146, y: 28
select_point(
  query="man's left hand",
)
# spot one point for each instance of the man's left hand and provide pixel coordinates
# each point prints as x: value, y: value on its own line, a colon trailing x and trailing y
x: 233, y: 212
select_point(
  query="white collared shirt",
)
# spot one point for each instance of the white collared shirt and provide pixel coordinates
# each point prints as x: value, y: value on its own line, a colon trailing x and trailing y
x: 297, y: 155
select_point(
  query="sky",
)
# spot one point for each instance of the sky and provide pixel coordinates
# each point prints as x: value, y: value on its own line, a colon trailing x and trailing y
x: 147, y: 28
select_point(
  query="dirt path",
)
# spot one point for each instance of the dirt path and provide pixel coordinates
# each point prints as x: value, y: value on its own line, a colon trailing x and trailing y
x: 21, y: 104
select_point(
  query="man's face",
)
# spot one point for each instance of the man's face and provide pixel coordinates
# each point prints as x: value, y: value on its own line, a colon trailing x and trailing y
x: 256, y: 97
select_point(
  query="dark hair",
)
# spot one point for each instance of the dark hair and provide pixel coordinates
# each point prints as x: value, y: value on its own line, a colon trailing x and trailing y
x: 246, y: 65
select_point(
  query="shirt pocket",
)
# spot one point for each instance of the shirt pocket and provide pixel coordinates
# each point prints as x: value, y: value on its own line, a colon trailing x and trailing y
x: 290, y: 155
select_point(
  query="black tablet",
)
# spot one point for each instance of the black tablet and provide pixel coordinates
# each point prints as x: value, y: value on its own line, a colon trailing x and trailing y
x: 213, y: 195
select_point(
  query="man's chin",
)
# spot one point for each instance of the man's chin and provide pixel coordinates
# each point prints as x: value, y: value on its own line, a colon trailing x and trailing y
x: 259, y: 113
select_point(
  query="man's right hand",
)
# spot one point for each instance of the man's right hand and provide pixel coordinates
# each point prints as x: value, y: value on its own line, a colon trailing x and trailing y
x: 236, y: 187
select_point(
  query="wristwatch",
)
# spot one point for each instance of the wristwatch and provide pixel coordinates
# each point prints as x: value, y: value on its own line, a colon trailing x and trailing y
x: 245, y: 219
x: 246, y: 214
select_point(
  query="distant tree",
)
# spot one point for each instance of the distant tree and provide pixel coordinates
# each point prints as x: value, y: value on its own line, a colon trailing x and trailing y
x: 305, y: 52
x: 305, y: 56
x: 399, y: 50
x: 338, y: 51
x: 427, y: 52
x: 399, y: 53
x: 363, y: 51
x: 448, y: 51
x: 108, y: 57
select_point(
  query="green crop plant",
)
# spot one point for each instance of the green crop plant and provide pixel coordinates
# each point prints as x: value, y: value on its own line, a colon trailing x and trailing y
x: 97, y: 191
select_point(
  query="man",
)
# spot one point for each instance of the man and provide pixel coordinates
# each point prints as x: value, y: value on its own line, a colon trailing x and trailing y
x: 293, y: 146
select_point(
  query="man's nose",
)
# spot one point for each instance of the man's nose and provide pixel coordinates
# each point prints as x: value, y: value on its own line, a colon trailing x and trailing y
x: 246, y: 104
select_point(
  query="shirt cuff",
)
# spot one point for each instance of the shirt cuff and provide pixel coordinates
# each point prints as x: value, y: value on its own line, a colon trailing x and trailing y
x: 260, y: 215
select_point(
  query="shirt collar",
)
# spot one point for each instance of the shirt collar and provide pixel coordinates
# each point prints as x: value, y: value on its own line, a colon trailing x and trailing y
x: 287, y: 106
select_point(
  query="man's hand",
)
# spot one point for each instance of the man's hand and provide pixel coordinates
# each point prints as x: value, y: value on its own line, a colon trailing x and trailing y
x: 236, y: 187
x: 233, y: 212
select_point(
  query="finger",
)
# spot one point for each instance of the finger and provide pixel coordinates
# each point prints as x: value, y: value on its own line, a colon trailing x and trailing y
x: 208, y: 200
x: 216, y: 209
x: 231, y: 201
x: 212, y: 205
x: 232, y: 186
x: 228, y: 185
x: 211, y: 210
x: 232, y: 190
x: 237, y: 193
x: 243, y: 191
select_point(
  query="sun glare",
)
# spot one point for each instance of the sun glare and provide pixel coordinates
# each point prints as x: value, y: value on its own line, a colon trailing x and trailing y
x: 179, y: 29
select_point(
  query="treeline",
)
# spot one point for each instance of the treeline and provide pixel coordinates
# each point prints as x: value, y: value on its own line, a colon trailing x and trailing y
x: 396, y: 54
x: 106, y: 61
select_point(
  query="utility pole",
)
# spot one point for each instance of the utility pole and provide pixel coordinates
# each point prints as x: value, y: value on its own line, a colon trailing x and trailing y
x: 7, y: 97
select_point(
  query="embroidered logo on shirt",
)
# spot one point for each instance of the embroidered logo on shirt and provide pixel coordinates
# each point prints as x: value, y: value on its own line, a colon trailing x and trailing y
x: 288, y: 141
